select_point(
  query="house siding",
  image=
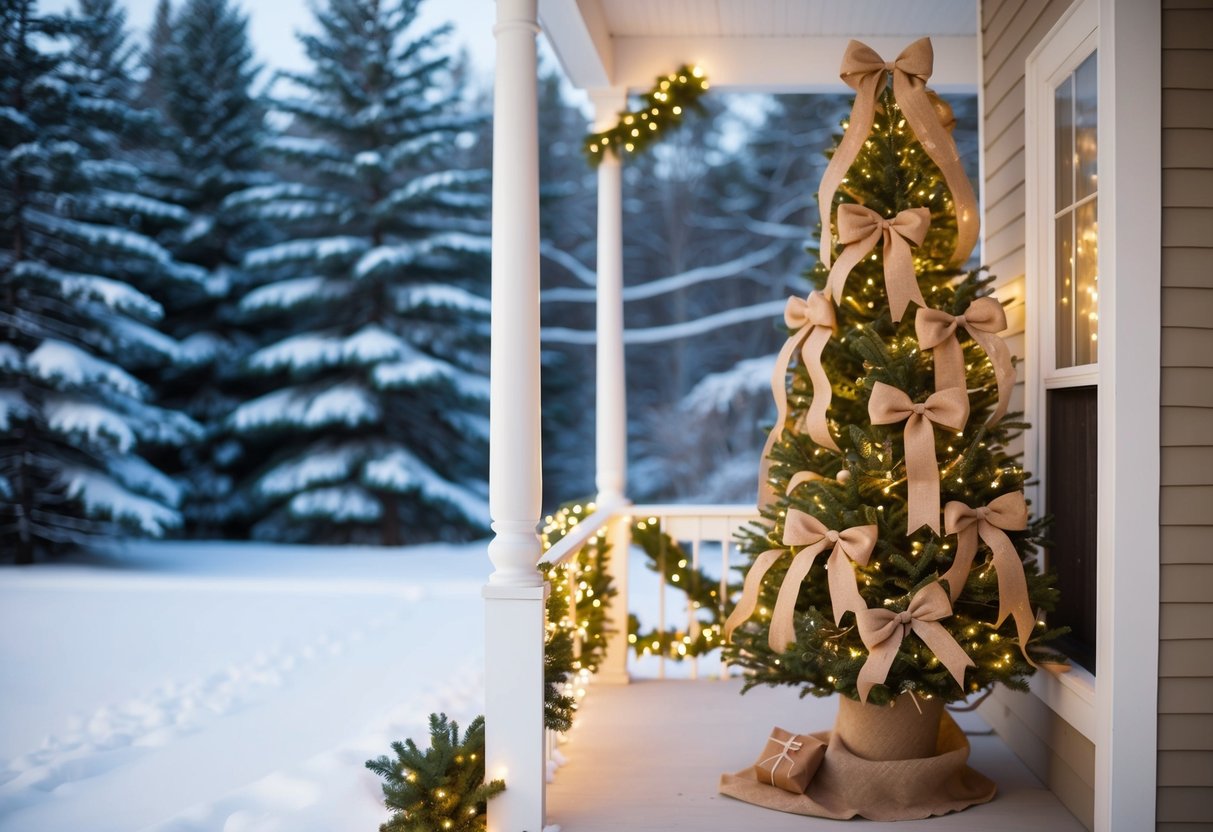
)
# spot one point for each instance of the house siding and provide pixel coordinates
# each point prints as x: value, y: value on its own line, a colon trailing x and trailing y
x: 1058, y: 754
x: 1185, y: 658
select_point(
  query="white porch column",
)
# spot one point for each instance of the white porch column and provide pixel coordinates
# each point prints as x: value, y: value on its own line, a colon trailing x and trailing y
x: 611, y: 402
x: 514, y: 596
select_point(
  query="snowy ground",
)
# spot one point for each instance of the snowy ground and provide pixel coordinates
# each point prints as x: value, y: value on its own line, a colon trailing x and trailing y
x: 190, y: 687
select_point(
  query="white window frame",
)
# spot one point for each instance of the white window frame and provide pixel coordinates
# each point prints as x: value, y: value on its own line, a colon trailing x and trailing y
x: 1117, y: 710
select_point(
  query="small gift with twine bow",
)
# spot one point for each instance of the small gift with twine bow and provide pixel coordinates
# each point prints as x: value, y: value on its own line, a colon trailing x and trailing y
x: 789, y: 760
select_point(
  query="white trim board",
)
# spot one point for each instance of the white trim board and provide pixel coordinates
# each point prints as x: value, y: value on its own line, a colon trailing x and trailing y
x: 1117, y: 710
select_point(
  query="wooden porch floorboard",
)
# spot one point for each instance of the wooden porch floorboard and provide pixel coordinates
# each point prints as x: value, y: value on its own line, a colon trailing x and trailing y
x: 648, y: 756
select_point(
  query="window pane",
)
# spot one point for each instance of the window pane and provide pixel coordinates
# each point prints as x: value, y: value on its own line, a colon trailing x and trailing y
x: 1063, y: 127
x: 1064, y: 310
x: 1086, y: 94
x: 1071, y: 477
x: 1086, y: 284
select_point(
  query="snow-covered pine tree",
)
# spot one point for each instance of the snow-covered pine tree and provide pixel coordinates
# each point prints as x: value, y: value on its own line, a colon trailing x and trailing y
x: 75, y: 325
x: 378, y: 411
x: 159, y: 37
x: 214, y: 128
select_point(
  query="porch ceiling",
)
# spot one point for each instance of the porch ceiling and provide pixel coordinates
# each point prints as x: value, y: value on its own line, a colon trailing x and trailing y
x: 767, y: 45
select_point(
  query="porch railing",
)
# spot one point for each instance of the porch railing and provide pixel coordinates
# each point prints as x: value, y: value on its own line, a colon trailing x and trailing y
x: 697, y: 529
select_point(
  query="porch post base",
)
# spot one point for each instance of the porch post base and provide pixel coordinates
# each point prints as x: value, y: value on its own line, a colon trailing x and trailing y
x: 514, y: 618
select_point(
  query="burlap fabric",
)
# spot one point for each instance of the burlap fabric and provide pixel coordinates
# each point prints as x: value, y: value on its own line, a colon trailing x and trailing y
x: 880, y: 763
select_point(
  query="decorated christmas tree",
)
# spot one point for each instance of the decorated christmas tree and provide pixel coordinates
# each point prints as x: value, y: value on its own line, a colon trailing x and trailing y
x: 897, y: 557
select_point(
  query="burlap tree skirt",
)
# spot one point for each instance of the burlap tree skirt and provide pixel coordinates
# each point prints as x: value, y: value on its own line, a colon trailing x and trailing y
x: 882, y: 763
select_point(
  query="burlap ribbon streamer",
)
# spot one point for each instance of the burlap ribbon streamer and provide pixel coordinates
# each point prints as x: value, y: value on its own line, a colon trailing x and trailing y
x: 882, y: 632
x: 1010, y: 513
x: 866, y: 72
x: 983, y: 319
x: 859, y: 228
x: 887, y: 406
x: 812, y: 321
x: 801, y: 529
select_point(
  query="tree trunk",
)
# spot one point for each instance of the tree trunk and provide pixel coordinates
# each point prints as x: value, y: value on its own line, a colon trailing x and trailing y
x: 389, y: 524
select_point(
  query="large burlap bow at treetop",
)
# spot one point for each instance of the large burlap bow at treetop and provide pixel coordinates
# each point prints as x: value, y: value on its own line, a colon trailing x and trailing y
x: 887, y: 406
x: 1009, y: 512
x: 984, y: 319
x: 813, y: 322
x: 882, y: 632
x: 859, y: 228
x: 801, y: 529
x: 866, y: 72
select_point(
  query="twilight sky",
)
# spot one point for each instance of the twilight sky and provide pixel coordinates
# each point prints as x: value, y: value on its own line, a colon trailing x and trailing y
x: 273, y: 24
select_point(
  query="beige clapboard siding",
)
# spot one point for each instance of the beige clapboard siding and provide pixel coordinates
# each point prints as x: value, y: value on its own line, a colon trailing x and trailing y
x: 1052, y: 749
x: 1185, y: 660
x: 1186, y: 544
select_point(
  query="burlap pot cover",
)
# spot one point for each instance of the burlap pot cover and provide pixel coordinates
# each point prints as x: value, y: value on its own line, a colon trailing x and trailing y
x: 891, y: 787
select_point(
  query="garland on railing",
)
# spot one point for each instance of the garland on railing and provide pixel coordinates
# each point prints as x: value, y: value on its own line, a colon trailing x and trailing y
x: 663, y: 109
x: 703, y: 592
x: 594, y: 588
x: 590, y: 589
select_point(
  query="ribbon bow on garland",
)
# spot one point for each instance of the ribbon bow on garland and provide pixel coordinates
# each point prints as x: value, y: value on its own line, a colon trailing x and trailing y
x: 663, y: 108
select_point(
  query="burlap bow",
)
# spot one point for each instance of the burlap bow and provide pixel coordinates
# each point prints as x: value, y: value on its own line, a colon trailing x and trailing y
x: 889, y: 405
x: 803, y: 529
x: 983, y: 319
x: 866, y: 72
x: 1010, y: 513
x: 812, y: 321
x: 882, y: 632
x: 859, y: 228
x: 855, y: 543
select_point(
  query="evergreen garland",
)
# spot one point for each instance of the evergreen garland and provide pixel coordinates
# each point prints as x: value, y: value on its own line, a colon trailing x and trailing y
x: 441, y: 788
x: 662, y: 110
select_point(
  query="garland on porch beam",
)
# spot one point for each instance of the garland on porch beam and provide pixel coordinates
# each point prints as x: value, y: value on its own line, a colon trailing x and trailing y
x: 663, y: 109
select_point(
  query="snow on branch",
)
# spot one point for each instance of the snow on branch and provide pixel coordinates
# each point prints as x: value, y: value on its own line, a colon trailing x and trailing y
x: 102, y: 496
x: 73, y: 419
x: 318, y: 466
x: 287, y: 294
x: 402, y: 472
x: 440, y: 295
x: 271, y: 193
x: 716, y: 392
x: 87, y: 235
x: 672, y: 332
x: 10, y: 357
x: 12, y: 406
x: 369, y: 345
x: 136, y: 474
x: 431, y: 183
x: 66, y: 366
x: 578, y: 269
x: 673, y: 283
x: 143, y: 206
x: 324, y: 248
x: 340, y: 504
x: 418, y: 368
x: 348, y: 404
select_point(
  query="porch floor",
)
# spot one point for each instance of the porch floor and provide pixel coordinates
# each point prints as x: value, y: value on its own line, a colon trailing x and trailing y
x: 648, y: 756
